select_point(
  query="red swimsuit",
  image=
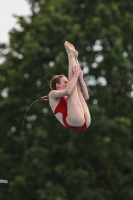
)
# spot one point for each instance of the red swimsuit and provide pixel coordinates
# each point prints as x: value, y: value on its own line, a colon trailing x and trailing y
x: 62, y: 108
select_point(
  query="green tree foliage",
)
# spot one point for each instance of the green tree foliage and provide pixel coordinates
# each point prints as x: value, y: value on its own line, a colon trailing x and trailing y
x: 42, y: 159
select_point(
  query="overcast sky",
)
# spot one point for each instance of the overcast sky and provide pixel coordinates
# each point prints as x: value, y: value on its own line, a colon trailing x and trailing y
x: 7, y: 21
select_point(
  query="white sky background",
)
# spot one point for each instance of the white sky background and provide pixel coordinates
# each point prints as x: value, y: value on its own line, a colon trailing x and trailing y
x: 7, y: 21
x: 22, y: 8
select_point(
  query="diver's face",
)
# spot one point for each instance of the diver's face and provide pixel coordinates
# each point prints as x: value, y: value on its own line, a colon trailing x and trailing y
x: 63, y: 83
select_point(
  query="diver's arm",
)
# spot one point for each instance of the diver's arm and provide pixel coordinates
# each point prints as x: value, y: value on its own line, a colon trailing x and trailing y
x: 83, y: 86
x: 71, y: 84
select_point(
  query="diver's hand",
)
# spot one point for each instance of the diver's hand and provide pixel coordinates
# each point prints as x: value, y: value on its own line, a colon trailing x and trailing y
x: 76, y: 70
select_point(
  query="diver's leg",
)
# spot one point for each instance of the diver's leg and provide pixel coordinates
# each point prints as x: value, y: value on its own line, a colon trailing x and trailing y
x: 80, y: 87
x: 81, y: 80
x: 72, y: 53
x: 75, y: 112
x: 84, y: 105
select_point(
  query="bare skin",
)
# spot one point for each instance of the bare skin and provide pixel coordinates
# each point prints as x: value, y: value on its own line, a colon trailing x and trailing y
x: 76, y: 105
x: 81, y: 80
x: 80, y: 86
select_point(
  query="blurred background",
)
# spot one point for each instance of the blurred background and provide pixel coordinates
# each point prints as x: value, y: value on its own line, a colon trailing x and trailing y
x: 41, y: 159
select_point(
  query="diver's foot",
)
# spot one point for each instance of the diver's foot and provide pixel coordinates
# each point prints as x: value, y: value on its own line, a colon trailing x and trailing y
x: 70, y: 49
x: 71, y: 45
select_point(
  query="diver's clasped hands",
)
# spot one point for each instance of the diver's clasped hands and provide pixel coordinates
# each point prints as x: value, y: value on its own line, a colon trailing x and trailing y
x: 77, y: 71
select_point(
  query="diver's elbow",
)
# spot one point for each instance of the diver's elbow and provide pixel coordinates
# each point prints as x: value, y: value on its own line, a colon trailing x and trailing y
x: 67, y: 92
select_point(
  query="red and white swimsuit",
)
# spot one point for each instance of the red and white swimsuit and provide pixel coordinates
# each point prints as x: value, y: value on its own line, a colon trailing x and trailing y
x: 62, y: 108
